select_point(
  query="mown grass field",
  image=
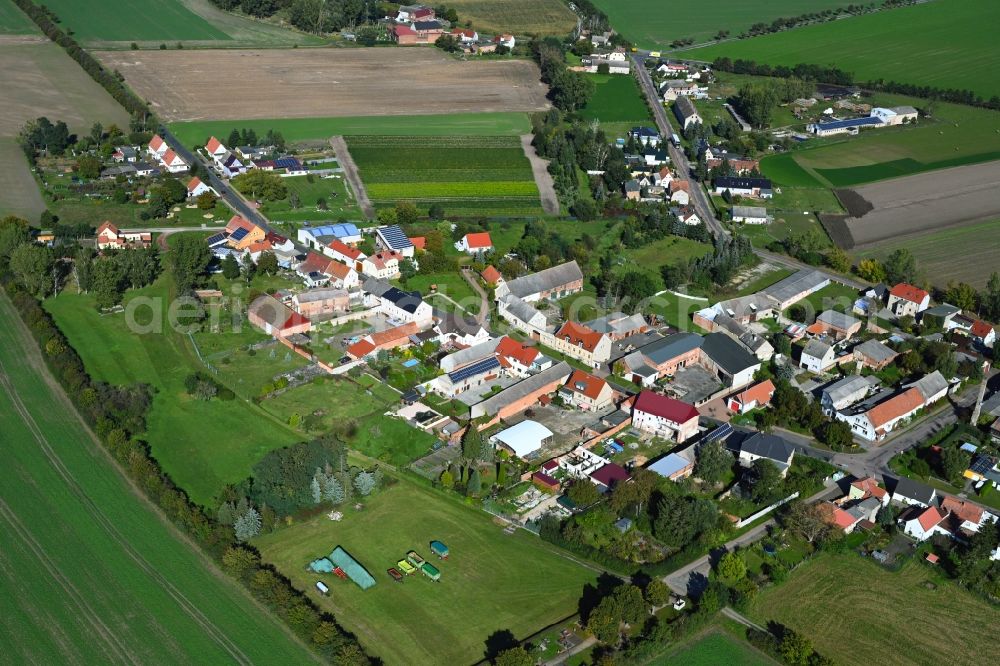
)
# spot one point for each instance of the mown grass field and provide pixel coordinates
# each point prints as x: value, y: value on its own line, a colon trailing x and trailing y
x: 957, y: 254
x: 491, y: 581
x: 19, y: 193
x: 943, y: 44
x: 92, y: 573
x: 855, y: 611
x: 649, y: 24
x: 466, y: 175
x: 310, y: 189
x: 616, y: 99
x: 712, y: 649
x: 135, y: 20
x: 520, y: 17
x: 15, y: 22
x: 296, y: 130
x: 202, y: 445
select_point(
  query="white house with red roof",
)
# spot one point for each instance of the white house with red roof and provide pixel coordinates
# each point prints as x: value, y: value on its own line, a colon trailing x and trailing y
x: 758, y: 395
x: 505, y: 40
x: 465, y: 35
x: 173, y: 162
x: 519, y: 359
x: 580, y: 342
x: 664, y: 416
x: 585, y: 391
x: 407, y: 13
x: 275, y: 318
x: 384, y: 265
x: 110, y: 237
x: 925, y: 523
x: 475, y: 243
x: 195, y: 187
x: 344, y: 253
x: 977, y: 329
x: 215, y: 149
x: 905, y: 300
x: 157, y: 146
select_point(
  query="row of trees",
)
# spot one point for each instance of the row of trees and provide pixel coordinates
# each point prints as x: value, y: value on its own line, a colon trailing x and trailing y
x: 568, y: 90
x: 757, y: 101
x: 249, y: 137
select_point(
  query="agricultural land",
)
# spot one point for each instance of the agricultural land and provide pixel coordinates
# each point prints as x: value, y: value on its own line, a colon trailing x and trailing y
x: 13, y: 21
x: 521, y: 17
x: 884, y: 606
x: 195, y: 23
x: 92, y: 573
x: 310, y: 83
x: 491, y: 582
x: 649, y: 24
x: 617, y: 104
x: 943, y: 44
x: 466, y: 175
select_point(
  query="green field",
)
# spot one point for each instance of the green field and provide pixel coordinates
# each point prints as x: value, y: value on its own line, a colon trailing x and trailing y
x: 649, y: 24
x: 943, y: 44
x: 520, y: 17
x: 784, y: 170
x: 854, y: 611
x: 339, y: 200
x: 936, y: 254
x: 712, y: 649
x: 617, y: 99
x: 133, y: 20
x: 19, y: 193
x: 15, y: 22
x: 321, y: 129
x: 202, y: 445
x: 91, y: 572
x: 467, y: 175
x: 491, y: 581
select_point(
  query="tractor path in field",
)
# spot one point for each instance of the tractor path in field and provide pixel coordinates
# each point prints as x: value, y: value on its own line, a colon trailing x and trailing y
x: 351, y: 174
x: 543, y: 179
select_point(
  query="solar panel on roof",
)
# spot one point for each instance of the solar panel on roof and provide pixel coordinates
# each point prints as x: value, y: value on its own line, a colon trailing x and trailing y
x: 286, y: 163
x: 239, y: 234
x: 477, y: 368
x: 721, y: 432
x: 216, y: 239
x: 395, y: 237
x: 852, y: 122
x: 981, y: 464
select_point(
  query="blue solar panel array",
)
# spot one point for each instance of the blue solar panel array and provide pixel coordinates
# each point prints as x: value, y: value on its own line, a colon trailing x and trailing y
x: 719, y: 433
x: 287, y: 163
x: 477, y: 368
x: 216, y: 239
x: 982, y: 464
x: 395, y: 237
x: 853, y: 122
x: 239, y: 234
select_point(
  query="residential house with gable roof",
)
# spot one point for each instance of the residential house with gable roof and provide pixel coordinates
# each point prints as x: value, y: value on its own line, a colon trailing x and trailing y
x: 817, y: 356
x: 383, y: 265
x: 905, y: 300
x: 475, y: 243
x: 519, y: 359
x: 913, y: 493
x: 555, y: 282
x: 664, y: 417
x: 110, y: 237
x: 392, y: 239
x: 750, y: 447
x: 874, y: 355
x: 579, y: 342
x: 585, y: 391
x: 396, y: 304
x: 275, y: 318
x: 521, y: 315
x: 195, y: 188
x: 758, y: 395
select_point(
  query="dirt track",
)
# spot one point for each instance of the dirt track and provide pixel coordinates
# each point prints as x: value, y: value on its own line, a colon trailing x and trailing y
x: 304, y: 83
x: 351, y: 174
x: 540, y: 169
x: 927, y: 202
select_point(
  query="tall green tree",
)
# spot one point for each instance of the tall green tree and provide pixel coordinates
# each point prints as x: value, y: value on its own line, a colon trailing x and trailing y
x: 900, y: 266
x: 33, y: 266
x: 713, y: 463
x: 188, y: 258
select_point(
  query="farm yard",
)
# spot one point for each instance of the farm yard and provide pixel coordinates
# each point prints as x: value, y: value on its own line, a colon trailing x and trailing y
x: 491, y: 582
x: 885, y: 606
x: 319, y: 130
x: 920, y: 203
x: 119, y: 23
x: 916, y: 44
x: 645, y: 22
x: 467, y: 175
x: 956, y: 254
x: 312, y: 83
x: 520, y: 17
x: 92, y: 573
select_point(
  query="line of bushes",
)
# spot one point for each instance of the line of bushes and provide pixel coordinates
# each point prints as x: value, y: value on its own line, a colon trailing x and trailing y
x: 46, y: 21
x: 117, y: 424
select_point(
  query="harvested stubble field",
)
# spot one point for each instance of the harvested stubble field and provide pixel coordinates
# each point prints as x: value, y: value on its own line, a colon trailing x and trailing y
x: 307, y: 83
x: 921, y: 203
x: 535, y: 17
x: 465, y: 174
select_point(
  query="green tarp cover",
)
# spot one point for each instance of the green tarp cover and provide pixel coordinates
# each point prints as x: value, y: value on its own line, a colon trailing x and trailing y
x: 352, y: 568
x: 431, y: 569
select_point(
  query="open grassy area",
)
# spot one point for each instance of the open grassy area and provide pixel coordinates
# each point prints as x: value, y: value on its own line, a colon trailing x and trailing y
x: 321, y: 129
x: 310, y: 189
x: 491, y: 582
x: 13, y: 21
x: 916, y: 44
x: 853, y: 611
x: 616, y: 99
x: 136, y: 20
x: 520, y: 17
x: 92, y: 572
x: 647, y: 24
x: 956, y: 254
x: 713, y: 648
x: 466, y: 175
x: 202, y: 445
x: 834, y: 296
x: 19, y: 193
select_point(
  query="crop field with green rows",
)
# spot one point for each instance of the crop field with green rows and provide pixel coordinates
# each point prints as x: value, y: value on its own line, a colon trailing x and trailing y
x: 468, y: 175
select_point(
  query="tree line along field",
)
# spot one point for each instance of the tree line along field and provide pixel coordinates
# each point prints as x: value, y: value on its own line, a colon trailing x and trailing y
x: 311, y: 130
x: 491, y: 581
x: 466, y: 175
x: 946, y: 44
x: 520, y: 17
x: 651, y: 23
x: 855, y: 611
x: 92, y: 573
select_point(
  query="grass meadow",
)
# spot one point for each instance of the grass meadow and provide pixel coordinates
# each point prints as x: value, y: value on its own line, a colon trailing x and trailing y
x: 15, y: 22
x: 617, y: 99
x: 466, y: 175
x: 943, y: 44
x: 92, y: 573
x: 713, y: 648
x: 304, y: 130
x: 956, y: 254
x: 340, y: 203
x: 649, y: 25
x: 884, y: 608
x: 133, y: 20
x: 520, y: 17
x: 491, y: 582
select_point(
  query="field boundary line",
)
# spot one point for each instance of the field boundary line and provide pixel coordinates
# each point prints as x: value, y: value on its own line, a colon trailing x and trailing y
x: 352, y: 176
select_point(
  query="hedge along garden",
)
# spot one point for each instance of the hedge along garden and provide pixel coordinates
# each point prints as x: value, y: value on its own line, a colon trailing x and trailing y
x: 467, y: 175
